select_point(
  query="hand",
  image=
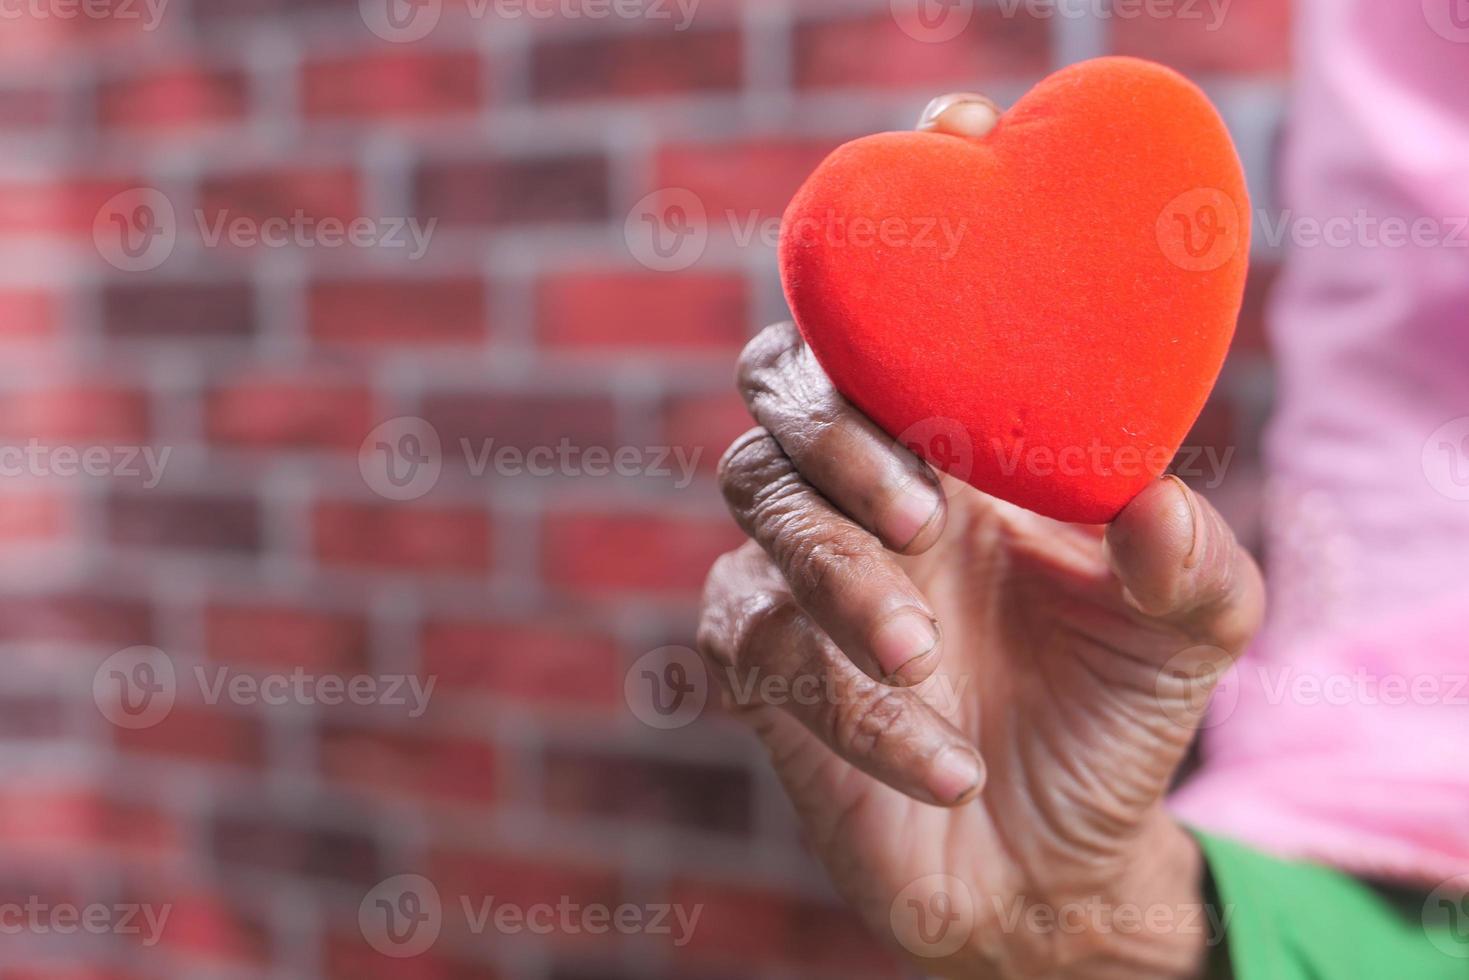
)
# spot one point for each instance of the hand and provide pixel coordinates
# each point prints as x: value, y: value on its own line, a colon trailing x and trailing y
x: 1002, y: 699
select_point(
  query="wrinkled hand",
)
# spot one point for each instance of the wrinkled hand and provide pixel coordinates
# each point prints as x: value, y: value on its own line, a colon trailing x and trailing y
x: 994, y: 702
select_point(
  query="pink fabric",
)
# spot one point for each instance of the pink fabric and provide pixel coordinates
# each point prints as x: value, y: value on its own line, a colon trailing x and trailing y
x: 1368, y: 544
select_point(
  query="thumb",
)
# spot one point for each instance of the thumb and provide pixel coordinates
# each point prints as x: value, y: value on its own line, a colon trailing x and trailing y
x: 1180, y: 566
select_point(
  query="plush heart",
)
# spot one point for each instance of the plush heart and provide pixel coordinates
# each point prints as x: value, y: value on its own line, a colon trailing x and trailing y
x: 1044, y: 311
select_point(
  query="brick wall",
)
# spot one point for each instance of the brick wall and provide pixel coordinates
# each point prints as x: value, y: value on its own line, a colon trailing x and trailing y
x: 278, y: 544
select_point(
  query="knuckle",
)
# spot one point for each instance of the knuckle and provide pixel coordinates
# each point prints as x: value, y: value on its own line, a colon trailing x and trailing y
x: 873, y: 716
x: 819, y: 561
x: 763, y: 353
x: 749, y: 454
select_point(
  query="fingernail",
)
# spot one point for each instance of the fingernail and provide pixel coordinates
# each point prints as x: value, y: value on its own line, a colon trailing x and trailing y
x: 902, y: 640
x: 1193, y: 520
x: 914, y: 509
x: 935, y: 108
x: 956, y: 776
x: 969, y: 115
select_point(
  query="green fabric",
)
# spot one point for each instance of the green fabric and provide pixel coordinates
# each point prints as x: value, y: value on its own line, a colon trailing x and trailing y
x: 1291, y: 921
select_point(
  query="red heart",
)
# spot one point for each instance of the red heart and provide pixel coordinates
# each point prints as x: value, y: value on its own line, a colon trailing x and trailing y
x: 1041, y: 312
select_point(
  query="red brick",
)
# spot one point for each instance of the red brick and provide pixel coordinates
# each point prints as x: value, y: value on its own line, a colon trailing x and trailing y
x: 535, y: 190
x: 29, y: 517
x: 93, y: 414
x: 1252, y: 334
x: 391, y: 84
x: 1253, y: 38
x: 633, y: 552
x: 28, y: 315
x: 24, y: 716
x: 172, y: 98
x: 349, y: 957
x: 36, y: 820
x: 522, y: 421
x: 875, y: 51
x: 706, y: 424
x: 205, y: 924
x: 259, y: 195
x: 269, y: 843
x: 636, y: 65
x: 645, y: 311
x: 521, y: 880
x: 56, y: 207
x: 715, y: 798
x: 747, y: 924
x: 74, y: 619
x: 23, y: 108
x: 741, y: 181
x: 151, y: 519
x: 272, y: 636
x: 385, y: 311
x: 531, y: 662
x: 408, y: 765
x: 178, y: 311
x: 199, y: 734
x: 288, y: 413
x: 400, y: 538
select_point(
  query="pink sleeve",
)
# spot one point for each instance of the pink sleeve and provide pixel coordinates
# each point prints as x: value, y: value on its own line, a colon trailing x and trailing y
x: 1341, y: 736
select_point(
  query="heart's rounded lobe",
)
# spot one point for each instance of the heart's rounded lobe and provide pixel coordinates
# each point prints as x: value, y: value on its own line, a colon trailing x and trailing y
x: 1042, y: 312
